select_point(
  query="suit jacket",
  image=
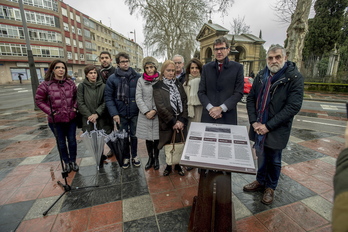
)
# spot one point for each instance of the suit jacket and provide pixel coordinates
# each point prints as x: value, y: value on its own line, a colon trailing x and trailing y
x: 224, y: 87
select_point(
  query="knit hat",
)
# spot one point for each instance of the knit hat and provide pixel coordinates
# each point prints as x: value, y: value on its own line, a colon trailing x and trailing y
x: 150, y: 59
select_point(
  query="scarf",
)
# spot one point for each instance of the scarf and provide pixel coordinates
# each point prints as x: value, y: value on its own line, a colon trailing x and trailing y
x: 175, y: 98
x: 192, y: 96
x: 150, y: 78
x: 123, y: 87
x: 105, y: 71
x: 262, y: 102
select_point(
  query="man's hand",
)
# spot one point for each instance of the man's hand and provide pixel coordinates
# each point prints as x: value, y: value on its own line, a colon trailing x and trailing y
x: 215, y: 112
x: 260, y: 129
x: 93, y: 118
x: 116, y: 118
x: 151, y: 114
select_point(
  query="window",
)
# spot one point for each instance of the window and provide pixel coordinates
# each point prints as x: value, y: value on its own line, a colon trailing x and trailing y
x: 82, y: 57
x: 45, y: 4
x: 66, y: 27
x: 76, y: 56
x: 67, y: 41
x: 78, y: 18
x: 74, y: 43
x: 64, y: 12
x: 80, y: 44
x: 79, y: 32
x: 73, y: 29
x: 87, y: 33
x: 88, y: 45
x: 69, y: 54
x: 7, y: 49
x: 71, y: 15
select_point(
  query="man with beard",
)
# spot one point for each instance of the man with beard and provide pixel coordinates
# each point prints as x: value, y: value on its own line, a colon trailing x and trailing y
x: 106, y: 65
x: 120, y: 101
x: 275, y: 98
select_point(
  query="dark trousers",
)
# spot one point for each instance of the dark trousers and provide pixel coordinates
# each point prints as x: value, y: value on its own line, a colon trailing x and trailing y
x: 269, y: 166
x: 130, y: 125
x: 66, y: 132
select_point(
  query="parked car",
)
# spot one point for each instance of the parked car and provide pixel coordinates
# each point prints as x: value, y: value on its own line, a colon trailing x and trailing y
x: 248, y: 82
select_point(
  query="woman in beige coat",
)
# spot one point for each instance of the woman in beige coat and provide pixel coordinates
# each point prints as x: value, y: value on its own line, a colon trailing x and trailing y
x: 147, y: 126
x: 191, y: 85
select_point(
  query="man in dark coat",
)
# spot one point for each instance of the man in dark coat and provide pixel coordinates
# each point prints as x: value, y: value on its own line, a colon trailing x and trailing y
x: 120, y: 102
x: 106, y: 69
x: 179, y: 67
x: 221, y: 86
x: 274, y: 99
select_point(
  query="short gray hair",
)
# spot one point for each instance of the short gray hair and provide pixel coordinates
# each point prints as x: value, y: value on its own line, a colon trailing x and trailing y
x: 275, y: 47
x: 177, y: 55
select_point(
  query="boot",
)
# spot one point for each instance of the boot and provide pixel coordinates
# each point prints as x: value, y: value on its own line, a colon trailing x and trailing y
x: 156, y: 153
x: 149, y: 147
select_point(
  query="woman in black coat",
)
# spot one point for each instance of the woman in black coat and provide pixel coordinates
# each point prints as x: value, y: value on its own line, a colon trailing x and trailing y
x: 171, y: 103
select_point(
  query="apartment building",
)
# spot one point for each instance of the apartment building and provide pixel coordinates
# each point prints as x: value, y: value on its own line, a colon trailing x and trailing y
x: 56, y: 31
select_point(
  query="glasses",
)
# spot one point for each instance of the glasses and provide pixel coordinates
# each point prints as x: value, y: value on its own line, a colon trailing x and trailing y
x: 124, y: 61
x: 178, y: 62
x: 220, y: 49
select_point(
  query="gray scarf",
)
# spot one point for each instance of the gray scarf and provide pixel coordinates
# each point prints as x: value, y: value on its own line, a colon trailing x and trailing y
x: 175, y: 98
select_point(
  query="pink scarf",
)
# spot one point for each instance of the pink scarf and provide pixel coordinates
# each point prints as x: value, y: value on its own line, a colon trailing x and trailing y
x: 150, y: 78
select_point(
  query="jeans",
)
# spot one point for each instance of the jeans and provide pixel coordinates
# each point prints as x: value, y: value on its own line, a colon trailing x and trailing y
x: 269, y: 166
x: 130, y: 125
x: 66, y: 131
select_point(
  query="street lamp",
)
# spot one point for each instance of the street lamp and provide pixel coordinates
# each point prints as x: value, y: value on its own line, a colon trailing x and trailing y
x: 31, y: 62
x: 133, y: 32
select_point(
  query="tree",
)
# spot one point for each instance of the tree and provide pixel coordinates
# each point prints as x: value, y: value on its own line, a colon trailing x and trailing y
x: 171, y: 25
x: 297, y: 31
x: 284, y: 9
x: 239, y: 27
x: 325, y: 28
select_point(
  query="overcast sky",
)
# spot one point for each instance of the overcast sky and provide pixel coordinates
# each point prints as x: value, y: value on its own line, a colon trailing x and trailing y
x: 258, y: 15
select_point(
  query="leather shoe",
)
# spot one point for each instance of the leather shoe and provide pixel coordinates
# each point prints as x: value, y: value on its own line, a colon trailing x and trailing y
x: 268, y: 196
x: 253, y: 187
x: 67, y: 167
x: 168, y: 170
x: 74, y: 166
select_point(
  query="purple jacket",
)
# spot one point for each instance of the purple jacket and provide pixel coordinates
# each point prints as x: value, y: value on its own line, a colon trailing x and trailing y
x: 63, y: 97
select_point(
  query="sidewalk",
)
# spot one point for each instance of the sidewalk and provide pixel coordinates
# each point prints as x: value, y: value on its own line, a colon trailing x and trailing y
x: 140, y: 200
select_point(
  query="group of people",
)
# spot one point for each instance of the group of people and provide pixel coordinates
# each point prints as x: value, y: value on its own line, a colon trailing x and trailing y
x: 154, y: 105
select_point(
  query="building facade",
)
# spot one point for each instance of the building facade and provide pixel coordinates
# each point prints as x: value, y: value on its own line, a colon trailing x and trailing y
x: 245, y: 48
x: 56, y: 31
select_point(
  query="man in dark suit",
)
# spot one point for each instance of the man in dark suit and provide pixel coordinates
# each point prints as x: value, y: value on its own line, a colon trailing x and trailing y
x: 221, y: 86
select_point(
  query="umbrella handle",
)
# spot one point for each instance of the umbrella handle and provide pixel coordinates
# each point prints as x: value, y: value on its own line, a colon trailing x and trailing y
x: 115, y: 126
x: 95, y: 125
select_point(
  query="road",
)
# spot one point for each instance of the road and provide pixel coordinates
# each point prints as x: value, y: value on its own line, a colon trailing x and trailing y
x: 19, y: 97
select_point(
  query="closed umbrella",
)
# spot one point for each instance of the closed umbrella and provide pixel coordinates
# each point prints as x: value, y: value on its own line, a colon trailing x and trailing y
x: 94, y: 141
x: 118, y: 144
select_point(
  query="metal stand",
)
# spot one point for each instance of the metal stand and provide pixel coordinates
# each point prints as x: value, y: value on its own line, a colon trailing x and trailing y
x: 66, y: 187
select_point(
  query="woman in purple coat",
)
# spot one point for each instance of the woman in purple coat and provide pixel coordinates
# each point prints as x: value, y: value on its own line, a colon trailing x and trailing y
x: 58, y: 92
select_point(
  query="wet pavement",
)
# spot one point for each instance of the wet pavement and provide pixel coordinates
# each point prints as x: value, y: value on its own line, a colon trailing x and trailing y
x: 143, y: 200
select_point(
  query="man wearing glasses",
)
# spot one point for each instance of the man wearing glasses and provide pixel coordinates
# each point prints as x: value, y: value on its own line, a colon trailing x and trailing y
x: 221, y: 86
x: 120, y: 100
x: 179, y: 68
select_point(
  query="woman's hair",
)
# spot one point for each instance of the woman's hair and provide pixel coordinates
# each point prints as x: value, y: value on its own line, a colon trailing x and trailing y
x: 188, y: 68
x: 49, y: 74
x: 89, y: 68
x: 164, y: 66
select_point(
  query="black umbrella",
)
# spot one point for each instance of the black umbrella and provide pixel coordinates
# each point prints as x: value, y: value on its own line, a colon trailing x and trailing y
x: 119, y: 144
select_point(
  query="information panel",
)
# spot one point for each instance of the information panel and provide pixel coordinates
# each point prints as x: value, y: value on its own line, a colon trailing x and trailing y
x: 218, y: 146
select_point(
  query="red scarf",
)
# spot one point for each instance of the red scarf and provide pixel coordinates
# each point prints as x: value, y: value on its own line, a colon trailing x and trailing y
x: 150, y: 78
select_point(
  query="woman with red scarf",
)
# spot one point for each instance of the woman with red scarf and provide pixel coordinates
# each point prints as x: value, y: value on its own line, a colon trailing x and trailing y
x: 147, y: 126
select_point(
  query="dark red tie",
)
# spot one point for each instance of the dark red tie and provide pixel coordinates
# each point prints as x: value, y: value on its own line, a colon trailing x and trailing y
x: 220, y: 67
